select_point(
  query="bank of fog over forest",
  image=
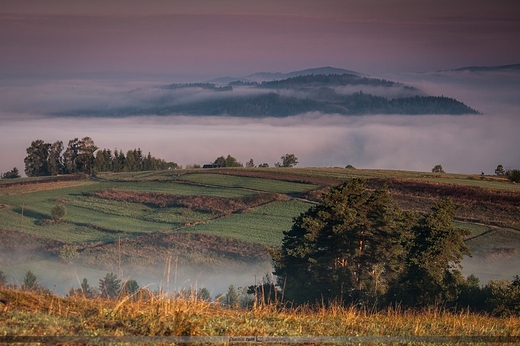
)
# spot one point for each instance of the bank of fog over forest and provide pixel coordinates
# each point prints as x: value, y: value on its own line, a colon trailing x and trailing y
x: 310, y: 115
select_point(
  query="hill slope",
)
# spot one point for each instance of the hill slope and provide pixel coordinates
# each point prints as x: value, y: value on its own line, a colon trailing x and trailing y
x: 345, y: 94
x: 270, y: 76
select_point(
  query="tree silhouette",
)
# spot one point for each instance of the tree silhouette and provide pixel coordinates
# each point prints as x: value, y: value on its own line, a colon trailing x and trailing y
x: 436, y: 248
x: 288, y: 160
x: 109, y: 286
x: 30, y: 282
x: 437, y: 169
x: 58, y: 211
x: 347, y: 248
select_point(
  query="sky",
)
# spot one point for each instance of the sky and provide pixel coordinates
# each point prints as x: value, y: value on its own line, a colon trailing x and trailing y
x: 199, y: 39
x: 60, y: 55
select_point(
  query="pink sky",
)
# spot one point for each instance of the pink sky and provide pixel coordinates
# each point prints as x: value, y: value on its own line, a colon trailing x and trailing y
x: 203, y: 39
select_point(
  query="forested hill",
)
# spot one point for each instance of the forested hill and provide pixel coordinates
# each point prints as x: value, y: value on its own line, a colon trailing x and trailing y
x: 332, y: 80
x: 345, y: 94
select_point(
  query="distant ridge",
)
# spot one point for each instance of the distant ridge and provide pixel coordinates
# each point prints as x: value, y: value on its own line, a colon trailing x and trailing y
x: 307, y: 91
x: 515, y: 67
x: 270, y: 76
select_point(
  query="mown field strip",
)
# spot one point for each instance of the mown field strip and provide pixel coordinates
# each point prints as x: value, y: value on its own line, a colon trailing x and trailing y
x: 173, y: 215
x: 17, y: 190
x: 260, y: 184
x: 263, y: 225
x: 180, y: 188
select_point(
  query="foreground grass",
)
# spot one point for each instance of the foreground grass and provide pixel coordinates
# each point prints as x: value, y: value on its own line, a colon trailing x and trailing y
x: 30, y: 314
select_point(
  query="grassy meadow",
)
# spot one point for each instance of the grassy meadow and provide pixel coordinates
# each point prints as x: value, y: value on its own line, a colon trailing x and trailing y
x: 150, y: 315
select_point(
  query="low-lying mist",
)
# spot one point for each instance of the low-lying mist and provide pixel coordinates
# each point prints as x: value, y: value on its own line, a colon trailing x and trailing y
x: 60, y: 277
x: 463, y: 144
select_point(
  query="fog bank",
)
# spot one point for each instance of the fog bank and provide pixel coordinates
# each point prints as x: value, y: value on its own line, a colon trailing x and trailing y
x: 461, y: 144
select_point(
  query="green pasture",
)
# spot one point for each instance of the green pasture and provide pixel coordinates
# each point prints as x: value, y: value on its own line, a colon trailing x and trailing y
x: 180, y: 188
x: 333, y: 173
x: 260, y: 184
x: 156, y: 176
x: 94, y: 219
x: 342, y: 174
x: 263, y: 225
x: 173, y: 215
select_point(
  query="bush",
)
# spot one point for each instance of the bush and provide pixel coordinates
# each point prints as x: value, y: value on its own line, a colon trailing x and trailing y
x: 12, y: 174
x: 58, y: 212
x: 500, y: 170
x: 69, y: 252
x: 438, y: 169
x: 514, y: 175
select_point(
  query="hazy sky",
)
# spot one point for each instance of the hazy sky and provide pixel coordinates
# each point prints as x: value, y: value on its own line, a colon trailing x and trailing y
x: 208, y: 38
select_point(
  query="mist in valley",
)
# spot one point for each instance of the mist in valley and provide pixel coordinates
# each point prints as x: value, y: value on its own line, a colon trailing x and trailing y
x: 468, y: 144
x: 170, y: 277
x: 461, y: 144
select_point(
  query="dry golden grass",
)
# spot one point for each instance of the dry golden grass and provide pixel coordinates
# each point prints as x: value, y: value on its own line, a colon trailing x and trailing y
x: 157, y: 315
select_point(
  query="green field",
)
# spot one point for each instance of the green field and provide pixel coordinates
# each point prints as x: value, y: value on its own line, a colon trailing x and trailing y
x: 95, y: 219
x: 264, y: 225
x: 231, y: 181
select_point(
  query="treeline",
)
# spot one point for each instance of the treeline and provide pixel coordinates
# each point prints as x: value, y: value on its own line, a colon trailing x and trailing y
x: 318, y: 96
x: 273, y: 104
x: 83, y: 156
x: 206, y: 86
x: 327, y: 80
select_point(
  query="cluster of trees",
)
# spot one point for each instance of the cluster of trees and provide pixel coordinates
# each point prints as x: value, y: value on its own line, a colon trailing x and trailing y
x: 287, y: 160
x: 12, y: 174
x: 322, y: 80
x: 206, y: 86
x: 438, y: 169
x: 47, y: 159
x: 228, y: 161
x: 511, y: 174
x: 358, y: 246
x: 133, y: 161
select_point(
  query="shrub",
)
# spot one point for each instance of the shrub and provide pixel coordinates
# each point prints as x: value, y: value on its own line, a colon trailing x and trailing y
x: 514, y: 175
x: 438, y: 169
x: 58, y: 212
x: 69, y: 252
